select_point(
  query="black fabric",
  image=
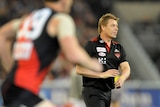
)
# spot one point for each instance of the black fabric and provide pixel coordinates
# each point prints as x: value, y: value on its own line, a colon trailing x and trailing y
x: 110, y: 60
x: 94, y: 97
x: 14, y: 96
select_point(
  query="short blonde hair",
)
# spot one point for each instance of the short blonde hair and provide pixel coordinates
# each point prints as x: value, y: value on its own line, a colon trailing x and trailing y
x: 104, y: 20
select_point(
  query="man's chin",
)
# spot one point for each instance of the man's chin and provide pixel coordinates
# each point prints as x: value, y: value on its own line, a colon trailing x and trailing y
x: 114, y: 37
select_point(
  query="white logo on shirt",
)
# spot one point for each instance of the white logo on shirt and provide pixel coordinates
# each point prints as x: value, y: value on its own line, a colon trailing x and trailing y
x: 102, y: 54
x: 101, y: 49
x: 116, y: 50
x: 22, y: 50
x: 102, y: 60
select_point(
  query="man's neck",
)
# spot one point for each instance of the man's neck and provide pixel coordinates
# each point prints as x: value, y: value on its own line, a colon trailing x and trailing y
x: 55, y: 6
x: 106, y: 39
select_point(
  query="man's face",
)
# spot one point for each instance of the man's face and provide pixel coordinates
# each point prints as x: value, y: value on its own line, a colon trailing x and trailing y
x: 111, y: 28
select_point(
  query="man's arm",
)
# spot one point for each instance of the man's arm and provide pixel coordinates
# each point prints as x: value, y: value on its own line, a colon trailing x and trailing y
x: 125, y: 69
x: 125, y: 73
x: 7, y: 34
x: 92, y: 74
x: 69, y: 44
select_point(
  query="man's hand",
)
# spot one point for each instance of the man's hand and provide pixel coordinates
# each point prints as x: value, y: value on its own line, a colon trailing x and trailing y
x: 119, y: 82
x: 109, y: 73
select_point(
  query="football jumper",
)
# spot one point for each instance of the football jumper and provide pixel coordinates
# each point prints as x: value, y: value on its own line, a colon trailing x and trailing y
x: 99, y: 90
x: 109, y: 57
x: 33, y: 51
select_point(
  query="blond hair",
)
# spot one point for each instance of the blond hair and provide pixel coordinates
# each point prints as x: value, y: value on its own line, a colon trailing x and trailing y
x: 104, y: 20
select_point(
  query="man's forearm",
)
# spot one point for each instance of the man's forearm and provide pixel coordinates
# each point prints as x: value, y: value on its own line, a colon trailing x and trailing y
x: 86, y: 72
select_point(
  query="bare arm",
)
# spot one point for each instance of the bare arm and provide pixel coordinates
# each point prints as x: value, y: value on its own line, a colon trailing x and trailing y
x: 76, y: 54
x: 7, y: 34
x: 69, y: 44
x: 125, y: 69
x: 125, y: 73
x: 92, y: 74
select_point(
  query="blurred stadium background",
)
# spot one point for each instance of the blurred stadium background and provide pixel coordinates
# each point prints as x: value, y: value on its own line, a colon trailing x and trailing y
x: 139, y: 33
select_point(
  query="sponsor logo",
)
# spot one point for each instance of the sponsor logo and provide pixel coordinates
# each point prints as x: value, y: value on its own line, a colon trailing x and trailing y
x: 116, y: 50
x: 117, y: 54
x: 102, y: 54
x: 22, y: 50
x: 102, y: 60
x: 101, y: 49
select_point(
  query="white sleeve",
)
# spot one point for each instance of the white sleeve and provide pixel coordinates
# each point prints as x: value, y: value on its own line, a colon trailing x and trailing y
x: 66, y: 26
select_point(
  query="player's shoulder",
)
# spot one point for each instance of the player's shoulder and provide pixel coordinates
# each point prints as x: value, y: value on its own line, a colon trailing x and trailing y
x: 116, y: 43
x: 17, y: 22
x: 63, y: 16
x: 95, y: 39
x: 91, y: 41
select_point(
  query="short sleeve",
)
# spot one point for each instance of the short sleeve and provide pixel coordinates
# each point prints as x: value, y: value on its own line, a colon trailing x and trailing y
x: 123, y: 55
x: 88, y: 47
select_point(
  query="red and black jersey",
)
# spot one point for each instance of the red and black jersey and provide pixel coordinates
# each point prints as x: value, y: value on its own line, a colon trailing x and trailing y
x: 33, y: 51
x: 110, y: 57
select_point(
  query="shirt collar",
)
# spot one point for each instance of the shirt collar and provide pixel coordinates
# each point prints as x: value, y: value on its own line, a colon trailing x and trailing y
x: 102, y: 41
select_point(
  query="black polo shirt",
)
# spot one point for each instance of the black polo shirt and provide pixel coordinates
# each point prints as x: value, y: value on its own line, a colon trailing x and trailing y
x: 109, y: 57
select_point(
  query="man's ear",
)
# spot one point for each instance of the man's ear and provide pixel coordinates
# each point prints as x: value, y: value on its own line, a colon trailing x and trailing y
x: 102, y: 27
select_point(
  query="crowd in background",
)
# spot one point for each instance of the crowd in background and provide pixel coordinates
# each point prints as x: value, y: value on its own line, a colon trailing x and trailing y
x: 148, y: 33
x: 83, y: 13
x: 86, y: 14
x: 10, y: 9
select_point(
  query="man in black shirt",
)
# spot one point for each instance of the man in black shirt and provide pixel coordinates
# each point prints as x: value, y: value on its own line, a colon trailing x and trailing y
x: 98, y: 85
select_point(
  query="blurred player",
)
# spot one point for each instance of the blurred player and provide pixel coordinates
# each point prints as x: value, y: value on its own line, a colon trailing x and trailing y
x: 39, y: 38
